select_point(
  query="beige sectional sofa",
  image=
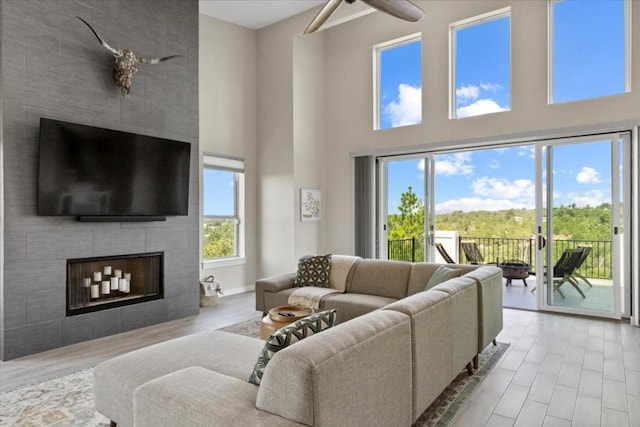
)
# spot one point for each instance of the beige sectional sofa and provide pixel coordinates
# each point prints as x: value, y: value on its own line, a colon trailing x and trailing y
x: 381, y: 368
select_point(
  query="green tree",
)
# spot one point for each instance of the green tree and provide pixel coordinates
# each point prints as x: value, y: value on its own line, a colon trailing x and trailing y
x: 218, y: 241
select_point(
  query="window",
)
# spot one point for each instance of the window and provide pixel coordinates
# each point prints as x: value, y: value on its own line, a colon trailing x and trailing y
x: 222, y: 207
x: 589, y: 49
x: 398, y: 66
x: 481, y: 68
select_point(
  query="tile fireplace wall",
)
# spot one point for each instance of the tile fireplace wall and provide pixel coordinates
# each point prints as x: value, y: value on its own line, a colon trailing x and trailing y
x: 53, y: 66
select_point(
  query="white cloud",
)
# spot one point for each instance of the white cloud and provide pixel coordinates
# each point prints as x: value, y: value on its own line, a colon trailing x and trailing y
x: 522, y: 189
x: 470, y: 204
x: 590, y: 198
x: 588, y: 176
x: 479, y: 107
x: 494, y: 164
x: 468, y: 93
x: 408, y: 109
x: 494, y: 87
x: 453, y: 164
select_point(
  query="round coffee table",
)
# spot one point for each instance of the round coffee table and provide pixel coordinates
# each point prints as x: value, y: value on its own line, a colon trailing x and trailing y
x: 279, y: 317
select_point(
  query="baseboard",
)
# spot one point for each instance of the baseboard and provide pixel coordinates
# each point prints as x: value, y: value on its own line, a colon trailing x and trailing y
x: 234, y: 291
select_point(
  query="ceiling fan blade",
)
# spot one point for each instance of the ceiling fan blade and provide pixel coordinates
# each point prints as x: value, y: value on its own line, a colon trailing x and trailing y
x: 402, y: 9
x: 323, y: 15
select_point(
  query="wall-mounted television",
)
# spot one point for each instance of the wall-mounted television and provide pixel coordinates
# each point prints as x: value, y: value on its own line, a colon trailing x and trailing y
x: 98, y: 174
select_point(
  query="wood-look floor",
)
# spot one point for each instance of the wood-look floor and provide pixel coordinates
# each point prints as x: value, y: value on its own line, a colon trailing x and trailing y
x: 558, y: 371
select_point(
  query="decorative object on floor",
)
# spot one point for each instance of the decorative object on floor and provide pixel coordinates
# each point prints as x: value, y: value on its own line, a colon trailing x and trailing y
x: 310, y: 204
x: 209, y: 290
x: 514, y: 269
x: 126, y: 62
x: 68, y: 400
x: 63, y: 401
x: 402, y: 9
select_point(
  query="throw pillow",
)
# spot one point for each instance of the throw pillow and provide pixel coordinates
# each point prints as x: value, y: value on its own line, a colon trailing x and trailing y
x: 313, y: 270
x: 442, y: 274
x: 284, y: 337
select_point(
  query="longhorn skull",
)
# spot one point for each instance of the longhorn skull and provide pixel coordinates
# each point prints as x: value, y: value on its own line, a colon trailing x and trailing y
x: 126, y: 62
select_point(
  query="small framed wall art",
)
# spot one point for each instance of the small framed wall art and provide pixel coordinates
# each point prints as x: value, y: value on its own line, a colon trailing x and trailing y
x: 310, y: 206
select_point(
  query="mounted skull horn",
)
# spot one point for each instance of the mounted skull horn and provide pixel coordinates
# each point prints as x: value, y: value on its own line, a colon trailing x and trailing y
x: 126, y: 62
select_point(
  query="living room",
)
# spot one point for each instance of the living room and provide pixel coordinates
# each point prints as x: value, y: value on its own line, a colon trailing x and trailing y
x: 295, y: 108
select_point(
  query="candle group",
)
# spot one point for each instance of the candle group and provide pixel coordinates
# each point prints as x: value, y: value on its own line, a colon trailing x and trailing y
x: 108, y: 280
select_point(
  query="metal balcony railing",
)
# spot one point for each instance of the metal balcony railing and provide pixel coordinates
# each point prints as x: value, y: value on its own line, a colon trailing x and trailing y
x: 497, y: 250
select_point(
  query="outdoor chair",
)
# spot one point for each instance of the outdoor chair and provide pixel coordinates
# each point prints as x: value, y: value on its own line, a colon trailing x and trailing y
x: 564, y: 270
x: 472, y: 252
x: 444, y: 254
x: 586, y: 250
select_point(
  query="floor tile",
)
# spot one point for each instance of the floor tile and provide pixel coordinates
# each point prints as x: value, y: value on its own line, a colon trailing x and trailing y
x: 563, y: 402
x: 613, y: 370
x: 614, y: 395
x: 590, y: 384
x: 526, y: 374
x: 542, y: 388
x: 587, y: 412
x: 570, y: 375
x: 612, y: 418
x: 555, y: 422
x: 511, y: 402
x: 499, y: 421
x: 531, y: 415
x: 633, y: 382
x: 593, y: 360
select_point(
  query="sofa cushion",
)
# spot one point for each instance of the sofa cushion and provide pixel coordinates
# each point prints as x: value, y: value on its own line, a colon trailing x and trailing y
x: 421, y: 272
x: 441, y: 275
x: 341, y: 268
x: 379, y: 277
x: 313, y: 270
x: 353, y: 305
x: 289, y: 335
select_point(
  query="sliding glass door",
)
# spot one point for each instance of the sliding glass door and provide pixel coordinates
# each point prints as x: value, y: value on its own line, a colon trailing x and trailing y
x: 580, y: 226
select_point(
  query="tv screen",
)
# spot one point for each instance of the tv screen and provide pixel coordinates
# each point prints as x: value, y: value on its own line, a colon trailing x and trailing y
x: 87, y: 171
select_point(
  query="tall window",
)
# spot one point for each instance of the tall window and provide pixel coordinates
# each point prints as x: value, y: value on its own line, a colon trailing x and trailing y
x: 399, y: 90
x: 589, y: 49
x: 222, y: 207
x: 481, y: 69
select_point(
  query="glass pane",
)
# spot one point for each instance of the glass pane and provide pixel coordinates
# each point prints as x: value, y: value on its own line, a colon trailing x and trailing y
x: 219, y: 238
x: 405, y: 221
x: 400, y: 85
x: 588, y: 49
x: 580, y: 242
x: 483, y: 68
x: 219, y: 193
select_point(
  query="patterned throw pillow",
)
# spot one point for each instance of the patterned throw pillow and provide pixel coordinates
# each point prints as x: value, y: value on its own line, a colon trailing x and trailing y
x: 282, y: 338
x: 441, y: 275
x: 313, y: 271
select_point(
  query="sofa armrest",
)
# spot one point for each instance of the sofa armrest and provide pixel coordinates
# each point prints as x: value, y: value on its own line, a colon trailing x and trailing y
x: 272, y: 284
x: 197, y: 396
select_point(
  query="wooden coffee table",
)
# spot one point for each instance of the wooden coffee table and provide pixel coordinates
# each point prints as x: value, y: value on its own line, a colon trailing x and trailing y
x: 279, y: 317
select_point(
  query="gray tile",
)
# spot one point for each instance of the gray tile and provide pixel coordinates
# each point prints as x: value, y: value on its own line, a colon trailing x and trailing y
x: 612, y: 418
x: 118, y: 241
x: 532, y: 414
x: 590, y: 384
x: 588, y: 412
x: 614, y: 395
x: 563, y: 402
x: 58, y: 245
x: 46, y: 306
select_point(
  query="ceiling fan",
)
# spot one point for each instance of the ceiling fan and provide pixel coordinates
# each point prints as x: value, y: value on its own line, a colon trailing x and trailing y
x: 402, y: 9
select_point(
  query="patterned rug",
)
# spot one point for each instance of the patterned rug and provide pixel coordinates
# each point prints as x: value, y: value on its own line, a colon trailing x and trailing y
x: 68, y: 400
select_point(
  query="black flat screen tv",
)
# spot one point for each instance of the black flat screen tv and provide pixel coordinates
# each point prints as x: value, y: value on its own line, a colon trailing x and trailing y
x: 100, y: 174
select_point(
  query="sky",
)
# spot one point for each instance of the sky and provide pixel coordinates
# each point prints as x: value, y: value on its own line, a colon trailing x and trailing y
x: 589, y: 61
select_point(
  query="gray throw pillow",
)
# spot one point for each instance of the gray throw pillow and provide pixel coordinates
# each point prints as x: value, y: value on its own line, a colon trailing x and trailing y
x: 313, y: 270
x: 284, y: 337
x: 441, y: 275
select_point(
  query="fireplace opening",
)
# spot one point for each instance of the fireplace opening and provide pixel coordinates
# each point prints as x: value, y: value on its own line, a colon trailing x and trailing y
x: 106, y: 282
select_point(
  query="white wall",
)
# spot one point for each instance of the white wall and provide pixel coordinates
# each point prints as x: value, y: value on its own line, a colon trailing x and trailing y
x: 228, y: 121
x: 348, y: 112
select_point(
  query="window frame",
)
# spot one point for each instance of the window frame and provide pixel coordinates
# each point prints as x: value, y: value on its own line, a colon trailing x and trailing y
x: 550, y: 53
x: 466, y: 23
x: 377, y: 96
x: 228, y: 164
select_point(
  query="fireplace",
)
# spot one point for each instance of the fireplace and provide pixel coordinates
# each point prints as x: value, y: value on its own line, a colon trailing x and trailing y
x: 106, y: 282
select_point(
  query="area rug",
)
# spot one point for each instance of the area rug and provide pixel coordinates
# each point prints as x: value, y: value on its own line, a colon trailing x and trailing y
x: 68, y: 400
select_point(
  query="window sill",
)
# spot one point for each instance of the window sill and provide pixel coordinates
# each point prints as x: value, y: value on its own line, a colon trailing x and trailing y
x: 226, y: 262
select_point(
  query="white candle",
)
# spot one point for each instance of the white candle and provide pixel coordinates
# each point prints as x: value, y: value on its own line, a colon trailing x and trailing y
x: 122, y: 285
x: 127, y: 276
x: 97, y: 276
x: 114, y: 283
x: 128, y: 288
x: 107, y: 270
x: 87, y: 282
x: 106, y: 287
x: 117, y: 273
x: 95, y: 291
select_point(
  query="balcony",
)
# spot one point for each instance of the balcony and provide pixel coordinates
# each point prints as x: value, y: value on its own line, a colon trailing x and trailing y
x: 596, y: 269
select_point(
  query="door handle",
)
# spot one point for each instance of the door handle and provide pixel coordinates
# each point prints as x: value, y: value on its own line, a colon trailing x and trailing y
x: 542, y: 241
